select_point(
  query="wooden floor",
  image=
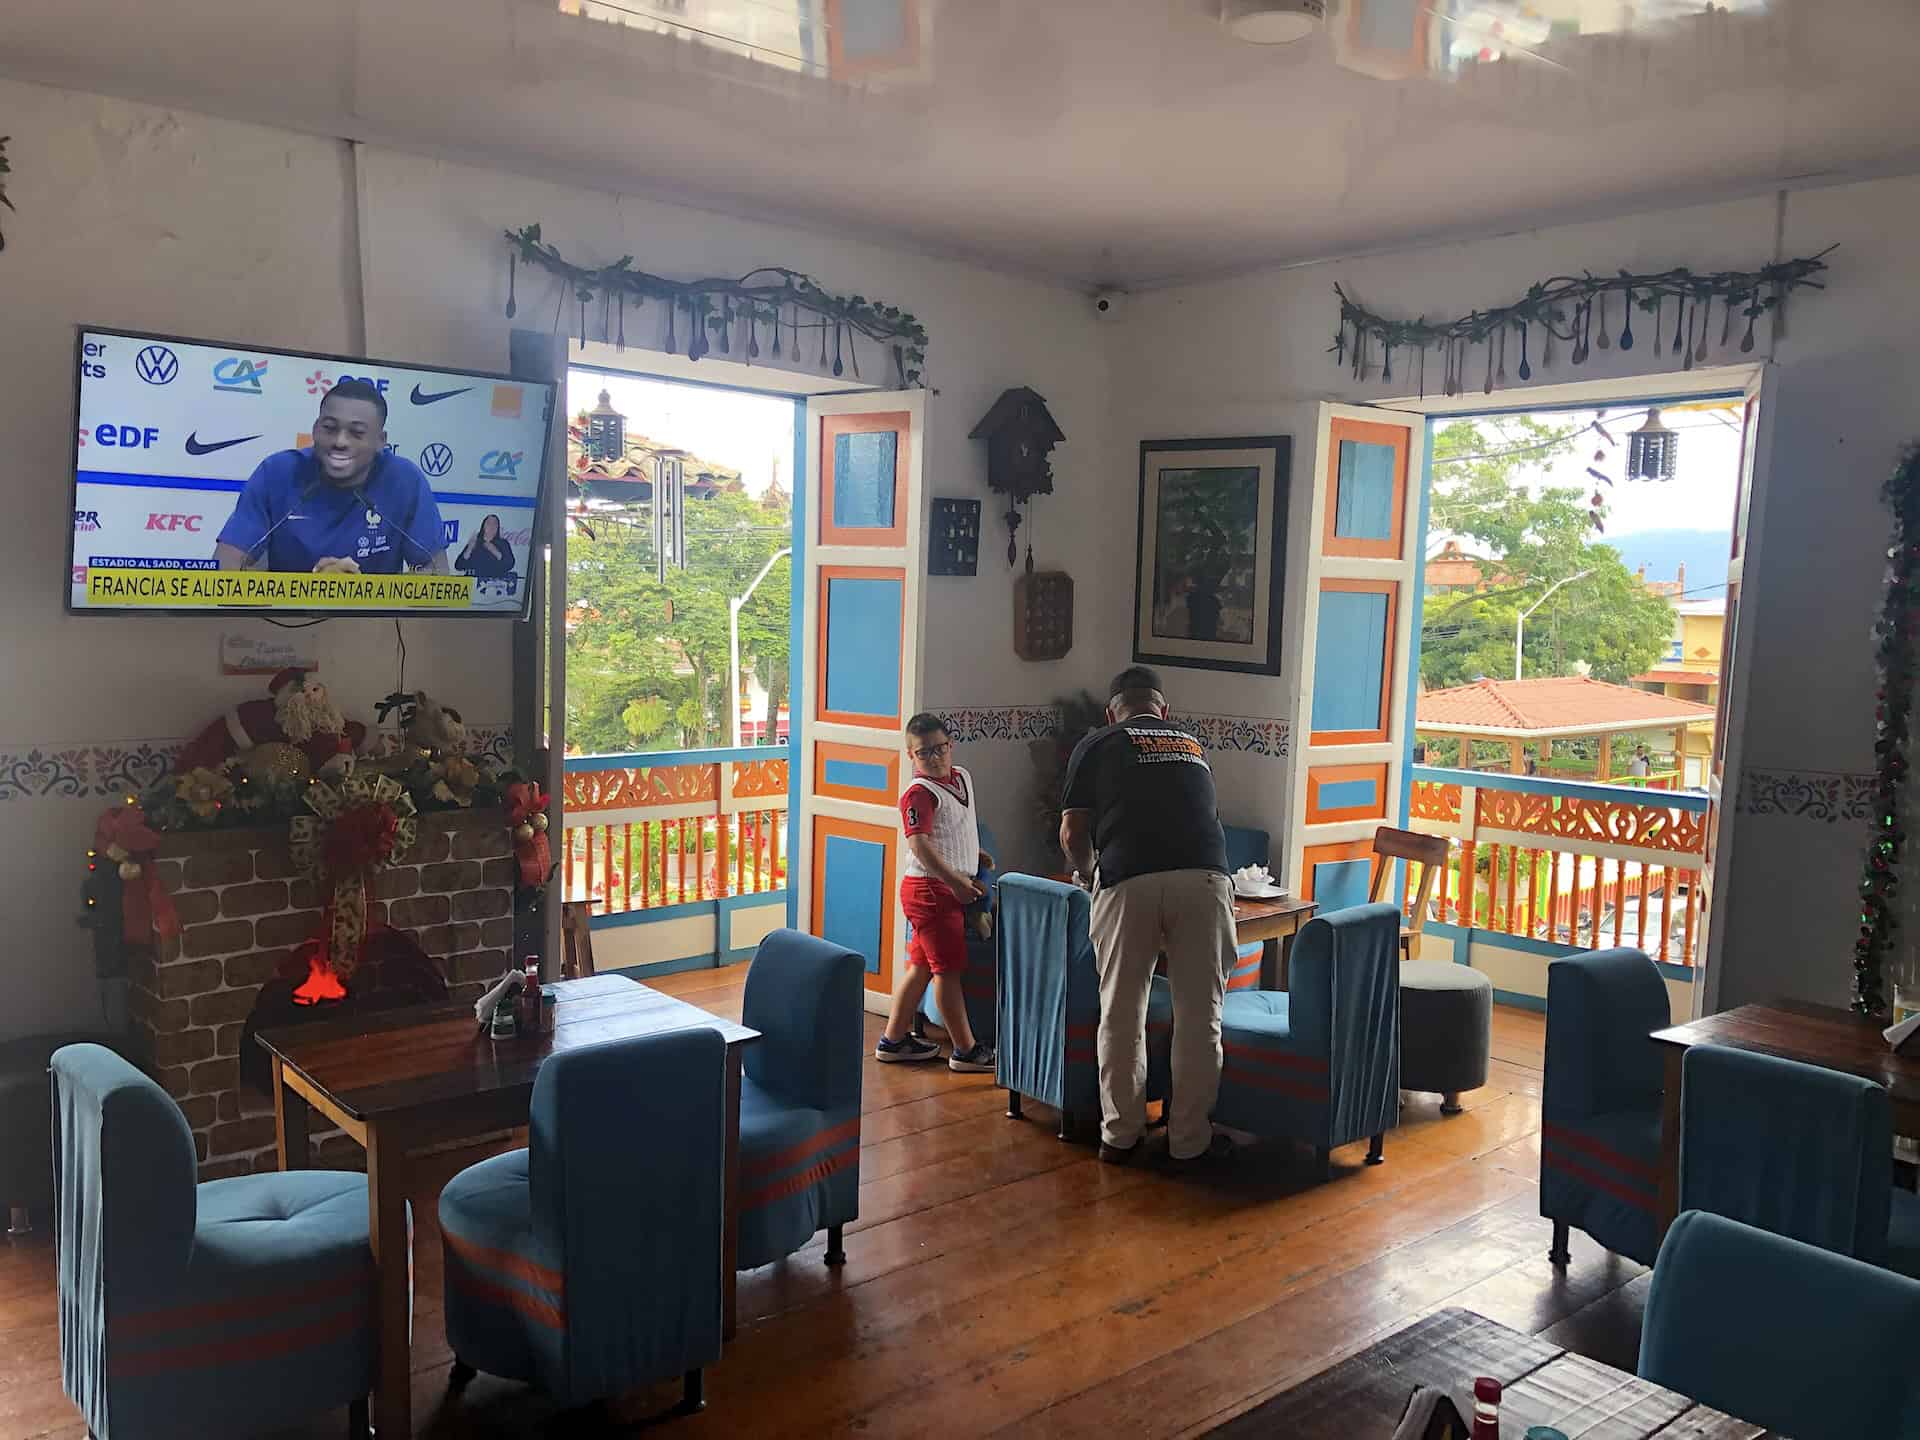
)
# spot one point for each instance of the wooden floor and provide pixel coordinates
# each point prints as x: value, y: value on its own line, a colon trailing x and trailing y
x: 1002, y: 1282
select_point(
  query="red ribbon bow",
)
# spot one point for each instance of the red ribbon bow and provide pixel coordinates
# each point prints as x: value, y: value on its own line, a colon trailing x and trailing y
x: 146, y: 910
x: 524, y: 801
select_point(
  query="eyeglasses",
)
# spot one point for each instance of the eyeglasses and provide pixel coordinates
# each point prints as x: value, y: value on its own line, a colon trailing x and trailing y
x: 933, y: 752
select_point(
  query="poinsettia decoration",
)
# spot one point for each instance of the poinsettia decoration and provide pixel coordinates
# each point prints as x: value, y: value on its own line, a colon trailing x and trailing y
x: 358, y: 827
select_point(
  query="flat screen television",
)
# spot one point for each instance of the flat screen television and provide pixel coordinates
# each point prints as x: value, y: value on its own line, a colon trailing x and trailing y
x: 216, y: 478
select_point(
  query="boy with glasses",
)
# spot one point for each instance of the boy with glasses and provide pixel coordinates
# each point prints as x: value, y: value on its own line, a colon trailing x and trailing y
x: 939, y: 881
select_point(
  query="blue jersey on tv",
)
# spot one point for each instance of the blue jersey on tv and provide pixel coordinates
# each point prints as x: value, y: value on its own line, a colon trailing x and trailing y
x: 386, y: 525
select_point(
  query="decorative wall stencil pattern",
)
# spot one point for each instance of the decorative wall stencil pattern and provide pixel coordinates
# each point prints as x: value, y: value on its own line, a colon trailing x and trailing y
x: 1248, y: 734
x: 1824, y: 795
x: 115, y: 768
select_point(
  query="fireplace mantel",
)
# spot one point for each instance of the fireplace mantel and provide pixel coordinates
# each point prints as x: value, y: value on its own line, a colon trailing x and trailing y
x: 243, y: 906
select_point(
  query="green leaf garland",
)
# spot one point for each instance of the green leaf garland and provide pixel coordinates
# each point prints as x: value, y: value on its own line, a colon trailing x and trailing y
x: 1894, y: 655
x: 730, y: 315
x: 4, y: 169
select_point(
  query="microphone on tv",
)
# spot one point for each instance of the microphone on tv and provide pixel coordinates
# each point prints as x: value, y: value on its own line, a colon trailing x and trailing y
x: 427, y: 550
x: 253, y: 551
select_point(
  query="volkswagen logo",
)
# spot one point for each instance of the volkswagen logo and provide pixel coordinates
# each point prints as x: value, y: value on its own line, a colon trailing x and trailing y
x: 157, y: 365
x: 436, y: 459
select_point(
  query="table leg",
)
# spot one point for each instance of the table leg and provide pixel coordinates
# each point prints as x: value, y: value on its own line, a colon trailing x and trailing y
x: 1670, y: 1141
x: 290, y: 1115
x: 1283, y: 947
x: 393, y: 1262
x: 730, y: 1180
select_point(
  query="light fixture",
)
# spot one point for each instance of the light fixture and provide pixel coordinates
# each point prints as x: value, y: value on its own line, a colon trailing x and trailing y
x: 1652, y: 450
x: 606, y: 431
x: 1272, y: 22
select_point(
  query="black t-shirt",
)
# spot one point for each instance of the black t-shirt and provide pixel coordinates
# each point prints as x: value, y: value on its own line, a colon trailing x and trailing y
x: 1151, y: 794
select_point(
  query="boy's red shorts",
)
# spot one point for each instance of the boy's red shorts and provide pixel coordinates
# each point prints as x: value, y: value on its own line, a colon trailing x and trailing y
x: 939, y: 926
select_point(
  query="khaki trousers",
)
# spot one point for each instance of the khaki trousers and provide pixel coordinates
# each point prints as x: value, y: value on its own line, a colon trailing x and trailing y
x: 1189, y: 914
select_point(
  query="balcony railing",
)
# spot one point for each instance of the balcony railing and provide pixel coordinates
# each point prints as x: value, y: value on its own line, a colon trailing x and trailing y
x: 1575, y: 865
x: 650, y: 830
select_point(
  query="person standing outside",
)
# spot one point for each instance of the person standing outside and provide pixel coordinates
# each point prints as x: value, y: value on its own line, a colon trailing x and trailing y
x: 1140, y: 793
x: 942, y: 862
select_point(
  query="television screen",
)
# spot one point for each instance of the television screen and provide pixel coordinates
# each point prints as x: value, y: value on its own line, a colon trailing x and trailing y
x: 212, y: 477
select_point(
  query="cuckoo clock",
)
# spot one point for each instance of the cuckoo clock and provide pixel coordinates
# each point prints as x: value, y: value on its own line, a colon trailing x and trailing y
x: 1019, y: 434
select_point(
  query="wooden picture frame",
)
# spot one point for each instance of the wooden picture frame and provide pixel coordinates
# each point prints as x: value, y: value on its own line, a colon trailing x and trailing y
x: 1210, y: 553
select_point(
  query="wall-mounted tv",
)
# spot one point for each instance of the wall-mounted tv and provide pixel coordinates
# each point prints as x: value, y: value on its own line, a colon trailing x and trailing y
x: 215, y: 478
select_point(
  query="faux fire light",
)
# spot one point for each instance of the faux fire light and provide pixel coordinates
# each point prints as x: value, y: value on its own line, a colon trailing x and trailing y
x: 358, y: 827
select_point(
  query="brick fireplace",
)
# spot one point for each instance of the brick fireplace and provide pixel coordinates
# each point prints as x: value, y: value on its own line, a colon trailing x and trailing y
x: 243, y: 908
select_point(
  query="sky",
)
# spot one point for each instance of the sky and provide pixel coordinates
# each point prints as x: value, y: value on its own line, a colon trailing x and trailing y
x: 749, y: 433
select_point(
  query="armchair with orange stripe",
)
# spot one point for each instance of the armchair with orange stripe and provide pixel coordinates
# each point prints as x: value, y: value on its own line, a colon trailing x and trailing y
x: 588, y: 1263
x: 800, y: 1097
x: 1600, y: 1112
x: 1320, y: 1063
x: 231, y: 1308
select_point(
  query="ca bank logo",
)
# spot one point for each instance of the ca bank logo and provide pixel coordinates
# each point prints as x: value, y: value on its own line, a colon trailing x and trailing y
x: 157, y: 365
x: 436, y: 459
x: 501, y: 464
x: 237, y: 375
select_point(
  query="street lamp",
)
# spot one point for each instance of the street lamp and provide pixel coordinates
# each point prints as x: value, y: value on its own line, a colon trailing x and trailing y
x: 1520, y: 620
x: 734, y: 606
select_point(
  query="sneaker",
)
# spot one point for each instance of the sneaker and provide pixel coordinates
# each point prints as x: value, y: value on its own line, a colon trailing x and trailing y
x: 1220, y: 1149
x: 913, y: 1048
x: 977, y: 1061
x: 1117, y: 1155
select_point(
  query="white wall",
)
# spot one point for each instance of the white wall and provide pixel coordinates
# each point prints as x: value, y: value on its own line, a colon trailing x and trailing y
x: 1248, y: 356
x: 168, y: 221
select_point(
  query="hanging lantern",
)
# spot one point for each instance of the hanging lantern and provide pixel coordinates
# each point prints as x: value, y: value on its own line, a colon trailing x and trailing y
x: 1652, y: 450
x: 606, y: 430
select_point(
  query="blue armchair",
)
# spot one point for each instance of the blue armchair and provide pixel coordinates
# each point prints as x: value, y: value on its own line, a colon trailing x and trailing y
x: 1799, y: 1150
x: 1049, y: 998
x: 800, y: 1097
x: 1246, y: 847
x: 589, y: 1263
x: 1600, y: 1131
x: 1320, y: 1063
x: 228, y: 1308
x: 1781, y: 1334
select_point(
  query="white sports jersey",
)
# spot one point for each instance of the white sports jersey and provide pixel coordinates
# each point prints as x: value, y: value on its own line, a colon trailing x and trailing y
x: 955, y: 834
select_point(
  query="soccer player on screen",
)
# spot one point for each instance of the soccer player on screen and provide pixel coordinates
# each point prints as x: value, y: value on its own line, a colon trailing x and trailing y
x: 344, y: 506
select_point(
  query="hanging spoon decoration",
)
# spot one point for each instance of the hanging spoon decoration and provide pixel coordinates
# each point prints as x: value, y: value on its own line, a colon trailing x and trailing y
x: 1546, y: 338
x: 1502, y: 375
x: 1682, y: 321
x: 1526, y: 367
x: 1489, y: 388
x: 513, y: 305
x: 673, y: 310
x: 1693, y: 317
x: 838, y: 368
x: 1582, y: 329
x: 1605, y: 342
x: 1753, y: 310
x: 753, y: 334
x: 1706, y: 318
x: 1659, y: 319
x: 1626, y: 331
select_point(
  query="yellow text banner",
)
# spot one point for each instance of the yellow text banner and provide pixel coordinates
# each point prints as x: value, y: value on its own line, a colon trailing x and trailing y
x: 268, y: 589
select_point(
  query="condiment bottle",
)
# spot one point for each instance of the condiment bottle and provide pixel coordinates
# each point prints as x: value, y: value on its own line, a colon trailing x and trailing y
x: 1486, y: 1408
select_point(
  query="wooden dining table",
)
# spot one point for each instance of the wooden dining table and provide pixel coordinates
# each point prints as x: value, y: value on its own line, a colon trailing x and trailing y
x: 1366, y: 1394
x: 1823, y: 1035
x: 405, y: 1081
x: 1277, y: 920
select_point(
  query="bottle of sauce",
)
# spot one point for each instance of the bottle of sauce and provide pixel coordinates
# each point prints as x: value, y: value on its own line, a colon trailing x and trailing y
x: 1486, y: 1408
x: 530, y: 996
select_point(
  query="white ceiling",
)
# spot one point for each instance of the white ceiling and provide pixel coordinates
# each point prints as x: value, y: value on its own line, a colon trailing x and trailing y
x: 1123, y: 142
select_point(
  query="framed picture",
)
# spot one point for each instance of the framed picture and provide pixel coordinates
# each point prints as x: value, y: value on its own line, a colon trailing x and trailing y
x: 1209, y: 574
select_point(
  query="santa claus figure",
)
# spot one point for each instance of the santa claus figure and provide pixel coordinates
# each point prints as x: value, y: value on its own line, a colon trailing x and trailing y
x: 299, y: 714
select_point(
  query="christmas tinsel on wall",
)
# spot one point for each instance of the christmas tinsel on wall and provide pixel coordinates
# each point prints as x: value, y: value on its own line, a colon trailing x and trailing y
x: 1681, y: 305
x: 1894, y: 654
x: 730, y: 317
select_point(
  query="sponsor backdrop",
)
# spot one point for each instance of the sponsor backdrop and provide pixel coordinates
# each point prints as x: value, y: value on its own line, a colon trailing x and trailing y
x: 170, y: 431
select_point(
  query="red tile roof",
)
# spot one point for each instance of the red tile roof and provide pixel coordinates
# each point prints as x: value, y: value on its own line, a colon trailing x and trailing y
x: 1675, y: 675
x: 1562, y: 705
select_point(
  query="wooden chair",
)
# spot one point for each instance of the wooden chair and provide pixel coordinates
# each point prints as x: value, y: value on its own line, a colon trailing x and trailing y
x: 1429, y: 852
x: 576, y: 934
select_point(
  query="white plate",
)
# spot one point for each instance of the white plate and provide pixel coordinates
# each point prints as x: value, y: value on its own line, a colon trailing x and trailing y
x: 1272, y: 892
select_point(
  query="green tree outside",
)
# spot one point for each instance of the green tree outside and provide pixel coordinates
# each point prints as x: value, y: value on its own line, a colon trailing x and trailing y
x: 1607, y: 620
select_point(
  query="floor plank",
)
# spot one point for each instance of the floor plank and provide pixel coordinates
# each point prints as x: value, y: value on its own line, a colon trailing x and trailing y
x: 1000, y: 1281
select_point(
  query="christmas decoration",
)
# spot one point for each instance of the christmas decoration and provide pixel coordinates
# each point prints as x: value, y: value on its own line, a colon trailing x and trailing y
x: 299, y: 713
x: 124, y: 901
x: 203, y: 792
x: 1894, y: 656
x: 527, y: 813
x: 731, y: 316
x: 358, y: 827
x: 1562, y: 308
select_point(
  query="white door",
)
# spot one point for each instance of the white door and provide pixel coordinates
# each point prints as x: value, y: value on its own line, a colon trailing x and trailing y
x: 859, y: 544
x: 1736, y: 651
x: 1356, y: 644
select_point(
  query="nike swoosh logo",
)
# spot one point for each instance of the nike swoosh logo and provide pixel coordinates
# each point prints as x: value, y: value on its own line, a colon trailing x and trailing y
x: 420, y: 397
x: 196, y: 447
